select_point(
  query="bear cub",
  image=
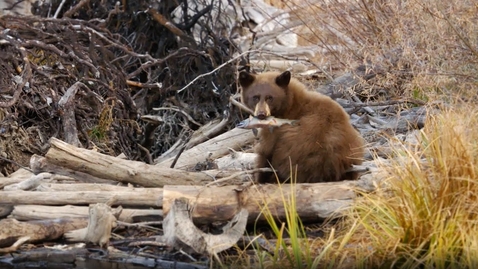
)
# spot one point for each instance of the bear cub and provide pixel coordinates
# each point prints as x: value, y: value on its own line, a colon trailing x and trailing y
x: 320, y: 148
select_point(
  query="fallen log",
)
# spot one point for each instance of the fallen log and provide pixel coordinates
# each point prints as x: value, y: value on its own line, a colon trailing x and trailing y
x: 112, y: 168
x: 92, y: 187
x: 149, y: 197
x: 36, y: 231
x: 314, y: 202
x: 214, y: 148
x: 40, y: 164
x: 41, y: 212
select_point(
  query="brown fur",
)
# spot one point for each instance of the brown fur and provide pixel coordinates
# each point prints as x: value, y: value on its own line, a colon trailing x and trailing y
x: 320, y: 148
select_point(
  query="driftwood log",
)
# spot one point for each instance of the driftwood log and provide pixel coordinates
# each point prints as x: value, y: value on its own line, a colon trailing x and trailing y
x: 214, y: 148
x: 15, y: 177
x: 314, y: 202
x: 150, y: 197
x: 42, y: 230
x: 41, y: 212
x: 112, y: 168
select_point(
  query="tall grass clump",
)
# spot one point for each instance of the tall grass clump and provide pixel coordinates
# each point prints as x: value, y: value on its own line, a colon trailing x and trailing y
x: 426, y: 213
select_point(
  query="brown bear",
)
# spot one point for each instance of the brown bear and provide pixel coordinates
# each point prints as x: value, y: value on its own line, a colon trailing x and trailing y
x: 320, y: 148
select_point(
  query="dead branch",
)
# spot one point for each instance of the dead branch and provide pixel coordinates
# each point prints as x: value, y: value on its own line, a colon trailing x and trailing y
x: 66, y: 105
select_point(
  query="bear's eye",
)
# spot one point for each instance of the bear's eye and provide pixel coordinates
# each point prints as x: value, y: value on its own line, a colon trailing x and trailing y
x: 255, y: 98
x: 269, y: 98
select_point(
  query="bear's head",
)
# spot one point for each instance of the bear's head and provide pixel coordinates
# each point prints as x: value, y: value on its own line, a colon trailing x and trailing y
x: 265, y: 93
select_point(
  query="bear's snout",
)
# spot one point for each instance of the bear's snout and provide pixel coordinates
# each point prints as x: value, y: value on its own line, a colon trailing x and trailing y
x: 261, y: 116
x: 262, y: 110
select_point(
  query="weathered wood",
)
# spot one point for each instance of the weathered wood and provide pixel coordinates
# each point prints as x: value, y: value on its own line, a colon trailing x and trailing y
x: 5, y: 210
x: 236, y: 160
x: 213, y: 148
x: 51, y: 258
x: 15, y: 177
x: 107, y: 167
x: 151, y: 197
x: 102, y: 218
x: 37, y: 230
x: 15, y: 246
x: 66, y: 105
x: 314, y: 201
x: 92, y: 187
x: 40, y: 164
x: 180, y: 232
x: 41, y: 212
x: 28, y: 184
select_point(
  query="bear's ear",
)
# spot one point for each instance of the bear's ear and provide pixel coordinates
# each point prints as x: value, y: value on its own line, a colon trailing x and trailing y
x: 283, y: 79
x: 246, y: 79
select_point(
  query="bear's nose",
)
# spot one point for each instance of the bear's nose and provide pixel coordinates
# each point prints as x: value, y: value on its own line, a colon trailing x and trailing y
x: 261, y: 116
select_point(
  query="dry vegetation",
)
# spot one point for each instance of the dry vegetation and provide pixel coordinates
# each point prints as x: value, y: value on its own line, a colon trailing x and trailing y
x: 425, y: 47
x: 424, y: 214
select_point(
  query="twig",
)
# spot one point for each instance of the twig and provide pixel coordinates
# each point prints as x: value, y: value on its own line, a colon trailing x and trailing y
x: 74, y: 9
x: 240, y: 105
x: 217, y: 68
x: 16, y: 163
x: 376, y: 120
x: 366, y: 108
x: 233, y: 176
x: 57, y: 12
x: 180, y: 111
x: 177, y: 156
x: 170, y: 26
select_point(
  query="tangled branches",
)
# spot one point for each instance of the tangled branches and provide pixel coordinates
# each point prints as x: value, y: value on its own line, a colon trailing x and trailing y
x: 129, y: 66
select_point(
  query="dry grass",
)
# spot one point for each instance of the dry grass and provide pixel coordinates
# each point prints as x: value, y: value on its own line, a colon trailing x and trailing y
x: 426, y: 216
x: 422, y: 46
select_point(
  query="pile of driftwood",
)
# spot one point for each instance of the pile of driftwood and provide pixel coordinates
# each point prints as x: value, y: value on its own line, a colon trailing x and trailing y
x: 81, y: 195
x: 74, y: 194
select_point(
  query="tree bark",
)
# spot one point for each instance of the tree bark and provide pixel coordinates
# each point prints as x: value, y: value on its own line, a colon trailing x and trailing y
x: 37, y: 230
x: 112, y: 168
x: 313, y: 202
x: 41, y: 212
x: 214, y: 148
x: 149, y: 197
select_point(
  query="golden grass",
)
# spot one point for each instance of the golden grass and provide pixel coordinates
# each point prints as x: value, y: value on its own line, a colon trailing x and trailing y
x: 426, y: 213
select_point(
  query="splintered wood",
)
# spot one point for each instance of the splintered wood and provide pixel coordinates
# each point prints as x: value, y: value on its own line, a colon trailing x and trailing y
x: 102, y: 218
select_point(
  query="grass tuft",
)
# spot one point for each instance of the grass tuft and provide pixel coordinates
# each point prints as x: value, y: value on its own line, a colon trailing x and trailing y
x: 425, y: 214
